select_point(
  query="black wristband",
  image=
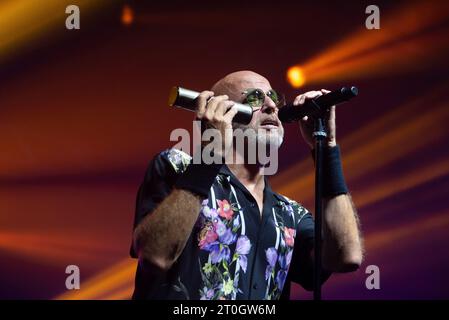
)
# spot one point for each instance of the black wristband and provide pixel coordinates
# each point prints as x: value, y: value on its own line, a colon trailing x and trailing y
x: 333, y: 179
x: 334, y: 184
x: 198, y: 178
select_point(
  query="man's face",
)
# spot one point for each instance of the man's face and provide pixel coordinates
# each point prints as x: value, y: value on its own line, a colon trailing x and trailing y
x: 265, y: 122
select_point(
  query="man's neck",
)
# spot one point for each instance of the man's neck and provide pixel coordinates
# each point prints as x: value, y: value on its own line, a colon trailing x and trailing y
x: 248, y: 174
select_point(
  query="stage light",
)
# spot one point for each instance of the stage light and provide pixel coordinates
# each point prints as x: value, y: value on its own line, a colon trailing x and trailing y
x: 295, y: 76
x: 367, y: 53
x: 127, y: 15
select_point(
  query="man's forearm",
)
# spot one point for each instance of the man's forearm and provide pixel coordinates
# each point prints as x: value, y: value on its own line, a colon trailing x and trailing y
x: 342, y: 243
x: 160, y: 237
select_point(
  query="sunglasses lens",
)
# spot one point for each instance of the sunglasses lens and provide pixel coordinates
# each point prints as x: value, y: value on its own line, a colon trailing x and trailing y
x: 277, y: 98
x: 255, y: 98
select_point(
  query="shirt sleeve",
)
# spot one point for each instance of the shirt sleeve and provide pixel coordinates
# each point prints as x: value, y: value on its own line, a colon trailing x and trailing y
x: 156, y: 186
x: 301, y: 268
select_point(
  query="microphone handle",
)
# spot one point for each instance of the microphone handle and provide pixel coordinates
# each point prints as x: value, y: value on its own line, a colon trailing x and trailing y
x: 186, y: 99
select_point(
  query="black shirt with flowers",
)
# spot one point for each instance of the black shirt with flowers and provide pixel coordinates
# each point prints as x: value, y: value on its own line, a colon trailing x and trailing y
x: 232, y: 252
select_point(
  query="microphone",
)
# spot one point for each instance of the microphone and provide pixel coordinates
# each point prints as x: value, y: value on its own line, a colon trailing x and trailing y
x: 186, y: 99
x: 316, y: 107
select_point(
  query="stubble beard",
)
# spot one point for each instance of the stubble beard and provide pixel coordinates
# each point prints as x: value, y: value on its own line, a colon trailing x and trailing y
x: 271, y: 139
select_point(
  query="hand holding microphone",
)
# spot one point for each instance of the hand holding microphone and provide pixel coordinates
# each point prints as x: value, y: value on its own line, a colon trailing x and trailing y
x: 216, y: 112
x: 187, y: 99
x: 307, y: 123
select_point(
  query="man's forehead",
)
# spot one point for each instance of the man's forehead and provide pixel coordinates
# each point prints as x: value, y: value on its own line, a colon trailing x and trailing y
x: 245, y: 83
x: 235, y: 83
x: 245, y: 78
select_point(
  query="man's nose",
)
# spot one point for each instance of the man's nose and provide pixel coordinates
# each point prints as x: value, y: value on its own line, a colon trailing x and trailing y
x: 269, y: 106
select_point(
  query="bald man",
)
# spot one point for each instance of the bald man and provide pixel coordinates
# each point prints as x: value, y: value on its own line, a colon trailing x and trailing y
x: 218, y: 231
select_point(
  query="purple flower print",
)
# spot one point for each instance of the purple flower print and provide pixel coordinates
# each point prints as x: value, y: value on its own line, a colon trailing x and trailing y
x: 225, y: 253
x: 210, y: 293
x: 242, y: 249
x: 219, y: 227
x: 243, y: 262
x: 219, y: 253
x: 228, y: 237
x: 218, y: 234
x: 268, y: 271
x: 282, y: 261
x: 213, y: 246
x: 272, y: 256
x: 236, y: 222
x: 243, y: 245
x: 209, y: 213
x: 207, y: 294
x: 280, y: 279
x: 215, y: 253
x: 289, y: 258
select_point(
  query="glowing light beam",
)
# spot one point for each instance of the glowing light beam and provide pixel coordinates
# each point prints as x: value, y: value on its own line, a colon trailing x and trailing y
x: 411, y: 31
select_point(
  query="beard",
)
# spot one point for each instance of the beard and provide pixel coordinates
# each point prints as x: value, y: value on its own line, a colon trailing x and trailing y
x: 272, y: 139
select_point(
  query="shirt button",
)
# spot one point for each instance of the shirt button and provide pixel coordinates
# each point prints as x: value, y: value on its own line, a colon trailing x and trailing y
x: 255, y: 286
x: 253, y: 205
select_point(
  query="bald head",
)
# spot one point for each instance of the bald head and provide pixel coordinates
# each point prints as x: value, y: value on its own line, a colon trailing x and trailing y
x: 234, y: 83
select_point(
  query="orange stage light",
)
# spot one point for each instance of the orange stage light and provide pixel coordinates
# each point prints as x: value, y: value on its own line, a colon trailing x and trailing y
x: 295, y: 76
x: 415, y: 31
x: 127, y: 15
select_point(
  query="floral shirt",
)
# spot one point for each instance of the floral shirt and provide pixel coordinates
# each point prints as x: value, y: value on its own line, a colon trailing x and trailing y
x: 233, y: 252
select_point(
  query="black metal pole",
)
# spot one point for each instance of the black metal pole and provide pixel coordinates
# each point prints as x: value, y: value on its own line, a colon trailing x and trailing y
x: 319, y: 134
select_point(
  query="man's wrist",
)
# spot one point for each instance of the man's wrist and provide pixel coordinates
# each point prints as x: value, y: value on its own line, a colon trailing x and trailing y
x: 334, y: 183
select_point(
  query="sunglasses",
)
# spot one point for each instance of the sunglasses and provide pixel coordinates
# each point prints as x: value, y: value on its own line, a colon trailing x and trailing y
x: 255, y: 98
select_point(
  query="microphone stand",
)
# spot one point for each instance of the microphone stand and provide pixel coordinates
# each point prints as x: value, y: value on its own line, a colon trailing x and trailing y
x: 319, y: 135
x: 316, y: 110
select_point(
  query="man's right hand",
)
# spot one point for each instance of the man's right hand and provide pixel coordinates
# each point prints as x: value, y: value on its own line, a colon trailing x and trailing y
x: 217, y: 112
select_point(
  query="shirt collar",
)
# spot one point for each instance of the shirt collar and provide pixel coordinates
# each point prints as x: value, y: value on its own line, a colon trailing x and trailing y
x: 273, y: 198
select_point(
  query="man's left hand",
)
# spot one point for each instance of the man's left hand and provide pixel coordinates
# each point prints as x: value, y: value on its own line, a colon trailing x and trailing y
x: 306, y: 124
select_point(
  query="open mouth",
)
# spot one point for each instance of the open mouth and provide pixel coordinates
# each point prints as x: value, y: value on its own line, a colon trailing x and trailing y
x: 269, y: 124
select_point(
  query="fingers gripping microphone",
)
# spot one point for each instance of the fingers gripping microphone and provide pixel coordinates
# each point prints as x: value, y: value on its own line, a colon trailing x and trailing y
x: 316, y: 107
x: 186, y: 99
